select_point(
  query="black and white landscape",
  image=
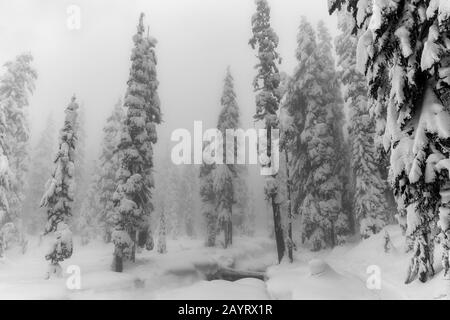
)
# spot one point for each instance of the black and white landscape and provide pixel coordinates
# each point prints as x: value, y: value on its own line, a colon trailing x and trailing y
x: 225, y: 149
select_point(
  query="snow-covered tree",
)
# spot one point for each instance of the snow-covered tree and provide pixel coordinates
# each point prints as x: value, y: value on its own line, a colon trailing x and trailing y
x: 60, y: 191
x: 135, y: 177
x: 4, y: 175
x: 404, y: 50
x: 109, y: 164
x: 15, y: 87
x: 40, y: 169
x: 226, y: 174
x: 266, y: 84
x: 368, y: 187
x: 314, y: 104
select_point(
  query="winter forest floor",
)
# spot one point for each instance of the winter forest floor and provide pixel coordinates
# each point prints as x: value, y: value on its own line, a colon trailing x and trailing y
x: 182, y: 273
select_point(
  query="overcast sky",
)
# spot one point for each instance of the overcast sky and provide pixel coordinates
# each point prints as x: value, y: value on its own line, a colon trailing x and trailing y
x: 197, y: 39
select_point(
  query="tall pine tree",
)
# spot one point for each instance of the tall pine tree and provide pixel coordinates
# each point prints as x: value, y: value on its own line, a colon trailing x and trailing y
x: 15, y: 87
x: 109, y: 164
x: 226, y: 174
x: 60, y: 192
x: 405, y: 53
x: 266, y: 84
x: 133, y: 195
x: 368, y: 187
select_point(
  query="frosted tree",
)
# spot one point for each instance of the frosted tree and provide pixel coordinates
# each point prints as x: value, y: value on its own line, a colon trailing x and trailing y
x: 4, y: 176
x: 287, y: 132
x: 16, y: 85
x: 40, y: 169
x: 407, y: 44
x: 368, y: 187
x: 313, y: 103
x: 60, y: 191
x: 135, y: 176
x: 162, y: 231
x: 226, y: 174
x: 266, y: 83
x: 109, y: 164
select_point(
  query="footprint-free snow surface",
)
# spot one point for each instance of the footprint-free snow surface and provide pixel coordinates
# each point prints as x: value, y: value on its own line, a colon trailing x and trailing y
x: 355, y: 271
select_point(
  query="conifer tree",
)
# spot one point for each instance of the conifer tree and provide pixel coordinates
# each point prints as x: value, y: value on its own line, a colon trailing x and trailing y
x: 225, y: 175
x: 314, y: 104
x: 60, y: 192
x: 266, y: 84
x: 15, y: 87
x: 135, y: 177
x: 109, y: 164
x: 404, y: 51
x: 368, y: 187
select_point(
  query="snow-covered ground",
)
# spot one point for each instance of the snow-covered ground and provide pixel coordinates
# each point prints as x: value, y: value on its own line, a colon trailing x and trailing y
x: 183, y: 273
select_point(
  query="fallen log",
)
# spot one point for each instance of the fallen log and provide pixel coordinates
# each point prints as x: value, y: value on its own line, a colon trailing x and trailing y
x: 233, y: 274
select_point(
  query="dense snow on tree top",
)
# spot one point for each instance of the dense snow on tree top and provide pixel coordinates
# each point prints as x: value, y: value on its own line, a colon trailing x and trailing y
x: 369, y: 200
x: 267, y: 80
x: 133, y: 195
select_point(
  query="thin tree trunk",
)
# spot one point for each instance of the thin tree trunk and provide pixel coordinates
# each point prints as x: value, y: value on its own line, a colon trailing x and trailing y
x: 133, y: 236
x: 117, y: 264
x: 290, y: 241
x: 278, y: 228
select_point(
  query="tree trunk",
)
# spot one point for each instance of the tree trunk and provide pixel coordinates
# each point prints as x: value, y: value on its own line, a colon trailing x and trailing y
x: 290, y: 243
x: 133, y: 236
x: 278, y: 228
x: 117, y: 264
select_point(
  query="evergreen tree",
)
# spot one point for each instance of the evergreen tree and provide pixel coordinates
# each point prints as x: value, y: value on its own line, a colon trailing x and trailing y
x: 15, y: 87
x: 266, y: 83
x: 40, y: 169
x: 313, y: 101
x: 368, y: 187
x: 59, y: 193
x: 4, y: 175
x: 135, y: 177
x: 225, y: 175
x: 407, y: 44
x: 109, y: 164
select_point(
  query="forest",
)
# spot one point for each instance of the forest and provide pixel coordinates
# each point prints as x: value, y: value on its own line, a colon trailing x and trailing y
x: 358, y: 132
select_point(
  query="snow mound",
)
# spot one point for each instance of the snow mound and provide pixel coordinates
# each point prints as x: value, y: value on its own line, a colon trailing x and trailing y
x: 319, y: 267
x: 314, y: 281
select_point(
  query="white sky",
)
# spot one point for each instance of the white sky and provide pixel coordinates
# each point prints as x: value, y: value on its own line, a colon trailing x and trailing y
x: 197, y: 39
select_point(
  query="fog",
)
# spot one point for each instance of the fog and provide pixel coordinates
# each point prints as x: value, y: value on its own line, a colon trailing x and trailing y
x: 197, y: 40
